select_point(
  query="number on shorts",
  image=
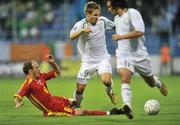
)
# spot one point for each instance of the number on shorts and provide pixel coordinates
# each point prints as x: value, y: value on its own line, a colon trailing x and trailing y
x: 86, y: 72
x: 67, y: 109
x: 127, y: 63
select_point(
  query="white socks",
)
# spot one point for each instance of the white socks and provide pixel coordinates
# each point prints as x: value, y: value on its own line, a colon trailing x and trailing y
x: 108, y: 113
x: 126, y: 94
x: 158, y: 82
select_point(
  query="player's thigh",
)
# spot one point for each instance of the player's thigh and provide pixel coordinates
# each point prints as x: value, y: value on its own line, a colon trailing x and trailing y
x: 86, y: 72
x: 106, y: 77
x: 125, y: 75
x: 105, y: 71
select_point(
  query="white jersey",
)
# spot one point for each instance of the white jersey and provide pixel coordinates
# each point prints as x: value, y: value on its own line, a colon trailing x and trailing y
x: 133, y: 48
x: 92, y: 46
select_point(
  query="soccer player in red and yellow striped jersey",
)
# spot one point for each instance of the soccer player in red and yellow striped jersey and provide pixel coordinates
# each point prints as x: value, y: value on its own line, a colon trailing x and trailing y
x: 35, y: 89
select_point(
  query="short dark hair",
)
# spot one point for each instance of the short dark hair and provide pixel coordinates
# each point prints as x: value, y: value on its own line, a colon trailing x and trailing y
x: 27, y: 66
x: 119, y: 4
x: 91, y: 6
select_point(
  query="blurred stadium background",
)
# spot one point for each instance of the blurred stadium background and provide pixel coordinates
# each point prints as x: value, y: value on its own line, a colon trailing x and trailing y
x: 31, y: 28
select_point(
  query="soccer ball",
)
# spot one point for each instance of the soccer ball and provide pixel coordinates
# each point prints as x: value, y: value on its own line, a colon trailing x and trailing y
x: 152, y: 107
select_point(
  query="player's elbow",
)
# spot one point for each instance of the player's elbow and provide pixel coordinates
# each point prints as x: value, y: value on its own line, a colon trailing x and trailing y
x: 72, y: 37
x: 140, y: 33
x: 58, y: 73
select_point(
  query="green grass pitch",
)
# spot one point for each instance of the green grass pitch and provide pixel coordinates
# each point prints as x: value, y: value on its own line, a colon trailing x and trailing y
x: 95, y: 98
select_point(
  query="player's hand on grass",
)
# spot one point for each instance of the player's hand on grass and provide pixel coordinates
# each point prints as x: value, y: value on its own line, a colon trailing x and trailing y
x: 18, y: 105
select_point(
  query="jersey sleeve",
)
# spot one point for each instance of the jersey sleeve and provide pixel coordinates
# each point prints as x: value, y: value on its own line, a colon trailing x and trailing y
x: 24, y: 89
x: 108, y: 23
x: 76, y: 27
x: 137, y: 21
x: 49, y: 75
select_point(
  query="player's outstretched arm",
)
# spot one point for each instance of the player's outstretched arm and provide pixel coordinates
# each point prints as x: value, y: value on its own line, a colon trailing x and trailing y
x: 76, y: 34
x: 18, y: 102
x: 51, y: 61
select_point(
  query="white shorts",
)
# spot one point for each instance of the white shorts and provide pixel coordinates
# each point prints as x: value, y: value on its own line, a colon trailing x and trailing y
x: 142, y: 67
x: 87, y: 70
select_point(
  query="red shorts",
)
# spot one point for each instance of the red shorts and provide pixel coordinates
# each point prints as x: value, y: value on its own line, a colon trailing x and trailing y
x: 60, y: 107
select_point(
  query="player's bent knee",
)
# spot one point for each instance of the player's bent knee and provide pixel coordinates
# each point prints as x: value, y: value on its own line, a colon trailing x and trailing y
x: 107, y: 82
x: 125, y: 80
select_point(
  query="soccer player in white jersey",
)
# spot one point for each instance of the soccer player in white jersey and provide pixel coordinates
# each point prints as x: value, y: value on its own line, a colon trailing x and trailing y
x: 92, y: 47
x: 131, y: 53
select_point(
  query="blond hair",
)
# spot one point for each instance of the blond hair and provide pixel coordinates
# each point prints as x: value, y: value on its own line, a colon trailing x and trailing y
x: 91, y: 6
